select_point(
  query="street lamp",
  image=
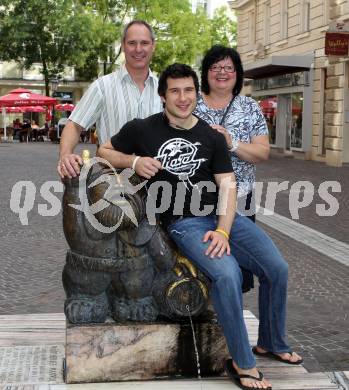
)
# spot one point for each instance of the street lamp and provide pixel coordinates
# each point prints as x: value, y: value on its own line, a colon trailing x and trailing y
x: 54, y: 87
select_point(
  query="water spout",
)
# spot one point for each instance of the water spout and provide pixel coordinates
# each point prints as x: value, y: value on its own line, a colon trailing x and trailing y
x: 195, y: 345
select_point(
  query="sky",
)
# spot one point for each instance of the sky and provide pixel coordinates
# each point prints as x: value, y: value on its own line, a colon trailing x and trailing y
x: 212, y: 5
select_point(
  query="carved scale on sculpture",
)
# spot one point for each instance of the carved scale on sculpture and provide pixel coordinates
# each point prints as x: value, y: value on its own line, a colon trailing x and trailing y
x: 131, y: 274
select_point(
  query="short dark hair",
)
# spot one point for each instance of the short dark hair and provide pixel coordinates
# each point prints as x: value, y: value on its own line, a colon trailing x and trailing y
x: 218, y: 53
x: 176, y: 71
x: 142, y: 23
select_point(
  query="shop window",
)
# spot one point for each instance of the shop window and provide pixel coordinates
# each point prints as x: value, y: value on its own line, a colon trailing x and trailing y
x: 297, y: 120
x: 268, y: 105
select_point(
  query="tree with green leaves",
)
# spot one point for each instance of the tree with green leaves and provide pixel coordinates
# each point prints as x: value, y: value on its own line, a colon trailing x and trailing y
x: 223, y: 28
x: 83, y: 33
x: 113, y: 14
x: 181, y: 34
x: 55, y: 33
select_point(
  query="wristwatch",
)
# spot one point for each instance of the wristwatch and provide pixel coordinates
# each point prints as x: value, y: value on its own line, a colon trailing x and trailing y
x: 235, y: 145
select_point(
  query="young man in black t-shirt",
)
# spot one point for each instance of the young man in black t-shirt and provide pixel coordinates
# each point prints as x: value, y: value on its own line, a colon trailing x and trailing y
x: 189, y: 161
x: 184, y: 160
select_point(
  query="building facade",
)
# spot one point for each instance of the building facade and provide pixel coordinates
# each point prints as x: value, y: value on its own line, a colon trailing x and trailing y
x: 13, y: 76
x: 304, y: 94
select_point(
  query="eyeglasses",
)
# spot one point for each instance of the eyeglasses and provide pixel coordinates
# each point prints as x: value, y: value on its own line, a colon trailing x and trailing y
x: 218, y: 68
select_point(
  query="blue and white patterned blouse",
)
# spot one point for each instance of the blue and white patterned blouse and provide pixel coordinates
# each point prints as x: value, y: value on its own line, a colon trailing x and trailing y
x: 244, y: 121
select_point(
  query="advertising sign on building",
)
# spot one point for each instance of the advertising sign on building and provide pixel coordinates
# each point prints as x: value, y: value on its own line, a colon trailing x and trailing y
x: 337, y: 39
x: 337, y: 44
x: 66, y: 96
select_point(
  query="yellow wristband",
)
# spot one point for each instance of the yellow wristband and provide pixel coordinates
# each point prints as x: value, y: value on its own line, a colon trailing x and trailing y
x: 225, y: 234
x: 135, y: 162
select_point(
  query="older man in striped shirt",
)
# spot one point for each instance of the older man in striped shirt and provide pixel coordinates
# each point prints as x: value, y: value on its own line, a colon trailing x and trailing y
x: 113, y: 100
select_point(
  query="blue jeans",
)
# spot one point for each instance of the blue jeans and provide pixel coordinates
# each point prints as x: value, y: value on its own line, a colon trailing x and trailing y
x: 252, y: 249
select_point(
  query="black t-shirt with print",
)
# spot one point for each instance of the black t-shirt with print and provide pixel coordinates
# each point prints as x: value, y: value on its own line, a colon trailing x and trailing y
x: 189, y: 158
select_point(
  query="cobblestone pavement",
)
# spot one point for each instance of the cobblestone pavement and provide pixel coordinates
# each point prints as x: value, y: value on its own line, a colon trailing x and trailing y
x: 279, y: 169
x: 318, y: 299
x: 318, y: 305
x: 32, y: 257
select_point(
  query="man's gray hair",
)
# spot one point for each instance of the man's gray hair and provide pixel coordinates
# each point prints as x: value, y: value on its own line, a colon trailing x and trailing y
x: 141, y: 22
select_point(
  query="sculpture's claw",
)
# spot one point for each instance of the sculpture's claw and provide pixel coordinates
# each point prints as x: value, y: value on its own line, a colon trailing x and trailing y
x: 144, y: 309
x: 85, y: 310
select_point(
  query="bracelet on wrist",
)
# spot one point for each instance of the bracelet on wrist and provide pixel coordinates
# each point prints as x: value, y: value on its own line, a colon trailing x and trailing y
x: 135, y: 162
x: 225, y: 234
x: 234, y: 146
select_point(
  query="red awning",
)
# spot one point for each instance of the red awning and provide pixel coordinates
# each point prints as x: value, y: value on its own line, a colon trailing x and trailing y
x: 34, y: 109
x: 64, y: 107
x: 10, y: 110
x: 24, y: 97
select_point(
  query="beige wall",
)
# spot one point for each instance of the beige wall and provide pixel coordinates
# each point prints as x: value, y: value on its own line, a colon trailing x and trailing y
x: 296, y: 38
x: 11, y: 70
x: 331, y: 74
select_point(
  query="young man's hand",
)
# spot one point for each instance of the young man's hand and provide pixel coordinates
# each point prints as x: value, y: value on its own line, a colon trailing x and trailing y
x: 219, y: 244
x: 147, y: 167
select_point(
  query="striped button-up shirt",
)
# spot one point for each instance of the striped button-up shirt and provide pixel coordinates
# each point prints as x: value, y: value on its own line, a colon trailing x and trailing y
x: 115, y: 99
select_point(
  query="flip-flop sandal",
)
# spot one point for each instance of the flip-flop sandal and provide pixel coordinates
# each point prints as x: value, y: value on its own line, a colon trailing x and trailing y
x: 274, y: 356
x: 234, y: 376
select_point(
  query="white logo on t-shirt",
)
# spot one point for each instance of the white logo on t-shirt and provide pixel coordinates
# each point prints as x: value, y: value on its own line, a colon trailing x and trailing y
x: 177, y: 156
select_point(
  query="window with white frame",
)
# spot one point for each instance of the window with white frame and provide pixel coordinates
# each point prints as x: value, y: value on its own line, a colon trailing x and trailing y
x: 305, y: 15
x: 326, y: 12
x: 252, y: 29
x: 267, y: 15
x: 284, y: 19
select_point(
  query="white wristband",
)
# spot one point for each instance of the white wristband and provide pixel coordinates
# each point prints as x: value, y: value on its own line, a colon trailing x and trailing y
x: 234, y: 147
x: 135, y: 162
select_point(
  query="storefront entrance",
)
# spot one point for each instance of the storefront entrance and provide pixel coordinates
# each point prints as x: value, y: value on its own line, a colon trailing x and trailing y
x: 283, y: 109
x: 284, y: 116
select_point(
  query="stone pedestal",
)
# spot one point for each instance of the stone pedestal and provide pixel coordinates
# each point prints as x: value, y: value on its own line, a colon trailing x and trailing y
x: 142, y: 351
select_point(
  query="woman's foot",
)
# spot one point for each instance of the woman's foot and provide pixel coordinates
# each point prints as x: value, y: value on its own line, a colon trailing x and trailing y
x: 286, y: 357
x: 249, y: 382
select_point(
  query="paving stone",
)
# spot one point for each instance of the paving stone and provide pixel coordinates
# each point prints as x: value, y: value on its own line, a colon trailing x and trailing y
x: 279, y: 169
x: 31, y: 364
x: 32, y: 257
x: 318, y: 290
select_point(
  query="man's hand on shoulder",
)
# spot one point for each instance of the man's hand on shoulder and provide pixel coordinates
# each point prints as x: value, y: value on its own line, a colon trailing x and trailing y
x: 69, y: 165
x: 146, y: 167
x: 218, y: 246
